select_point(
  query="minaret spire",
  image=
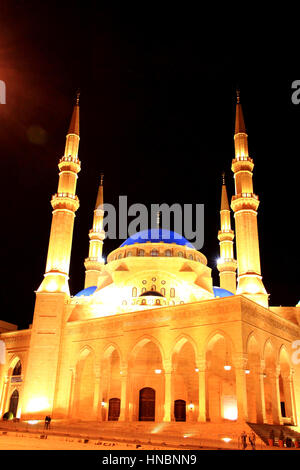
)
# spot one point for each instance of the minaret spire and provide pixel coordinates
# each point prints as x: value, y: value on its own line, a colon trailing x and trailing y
x: 227, y: 265
x: 38, y: 396
x: 94, y: 263
x: 245, y: 204
x: 65, y: 203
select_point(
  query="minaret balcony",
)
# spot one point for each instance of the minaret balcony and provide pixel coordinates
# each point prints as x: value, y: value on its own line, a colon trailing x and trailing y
x: 242, y: 164
x: 244, y: 201
x: 95, y: 235
x: 69, y: 164
x: 93, y: 264
x: 225, y: 235
x: 227, y: 265
x: 65, y: 201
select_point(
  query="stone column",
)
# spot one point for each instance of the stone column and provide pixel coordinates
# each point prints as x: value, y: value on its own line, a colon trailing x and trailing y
x: 275, y: 395
x: 97, y: 395
x: 71, y: 410
x: 240, y: 364
x: 259, y: 371
x: 168, y: 391
x: 6, y: 383
x: 124, y: 394
x: 288, y: 388
x: 201, y: 365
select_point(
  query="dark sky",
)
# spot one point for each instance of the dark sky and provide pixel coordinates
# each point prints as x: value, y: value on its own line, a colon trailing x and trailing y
x: 157, y: 117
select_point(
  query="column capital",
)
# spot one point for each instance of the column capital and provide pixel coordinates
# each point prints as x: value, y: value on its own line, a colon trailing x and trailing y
x: 201, y: 364
x: 240, y: 360
x: 168, y: 366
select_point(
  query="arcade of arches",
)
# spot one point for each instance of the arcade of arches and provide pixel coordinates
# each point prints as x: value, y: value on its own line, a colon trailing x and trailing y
x: 218, y: 385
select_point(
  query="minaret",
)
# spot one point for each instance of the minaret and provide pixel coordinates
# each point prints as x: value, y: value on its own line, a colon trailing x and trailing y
x: 44, y: 353
x: 245, y: 204
x: 227, y: 265
x: 64, y: 203
x: 94, y: 263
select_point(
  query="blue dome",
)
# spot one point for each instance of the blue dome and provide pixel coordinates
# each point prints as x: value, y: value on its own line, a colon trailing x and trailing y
x: 86, y: 292
x: 219, y: 292
x: 157, y: 235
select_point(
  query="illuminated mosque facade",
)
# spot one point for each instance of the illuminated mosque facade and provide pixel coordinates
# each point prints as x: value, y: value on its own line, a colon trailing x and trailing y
x: 149, y: 338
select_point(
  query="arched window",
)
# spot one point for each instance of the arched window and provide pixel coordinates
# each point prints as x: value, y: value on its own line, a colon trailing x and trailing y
x: 172, y: 292
x: 168, y: 253
x: 144, y: 290
x: 17, y: 369
x: 124, y: 302
x: 134, y: 292
x: 144, y: 302
x: 153, y: 287
x: 154, y: 253
x: 163, y: 291
x: 129, y: 253
x: 180, y: 254
x: 191, y: 257
x: 141, y: 253
x: 120, y: 256
x: 157, y: 302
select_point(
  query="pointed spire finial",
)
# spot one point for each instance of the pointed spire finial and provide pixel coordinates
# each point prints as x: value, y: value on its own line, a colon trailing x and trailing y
x: 239, y: 118
x: 101, y: 179
x: 223, y: 178
x: 77, y: 97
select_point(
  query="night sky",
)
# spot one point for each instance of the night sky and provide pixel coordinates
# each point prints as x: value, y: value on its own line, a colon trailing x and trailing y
x: 157, y: 117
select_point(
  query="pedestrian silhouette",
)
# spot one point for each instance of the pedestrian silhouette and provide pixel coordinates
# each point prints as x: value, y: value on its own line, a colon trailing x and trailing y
x: 47, y: 422
x: 244, y: 440
x: 252, y: 440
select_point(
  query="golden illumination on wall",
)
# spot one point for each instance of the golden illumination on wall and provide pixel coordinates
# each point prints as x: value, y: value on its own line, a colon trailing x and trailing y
x: 229, y: 405
x: 37, y: 404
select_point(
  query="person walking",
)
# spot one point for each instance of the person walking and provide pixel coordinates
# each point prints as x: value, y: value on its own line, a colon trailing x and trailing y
x: 244, y: 440
x: 252, y: 440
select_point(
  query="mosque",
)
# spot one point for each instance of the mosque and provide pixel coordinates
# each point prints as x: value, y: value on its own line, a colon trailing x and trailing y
x: 149, y: 338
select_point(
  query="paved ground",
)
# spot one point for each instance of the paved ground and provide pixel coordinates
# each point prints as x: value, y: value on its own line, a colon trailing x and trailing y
x: 70, y: 435
x: 17, y: 441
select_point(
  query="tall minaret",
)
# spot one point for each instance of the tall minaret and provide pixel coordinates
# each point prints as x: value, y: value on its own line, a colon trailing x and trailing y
x: 227, y: 265
x: 94, y: 263
x: 44, y: 353
x: 64, y: 203
x: 245, y: 204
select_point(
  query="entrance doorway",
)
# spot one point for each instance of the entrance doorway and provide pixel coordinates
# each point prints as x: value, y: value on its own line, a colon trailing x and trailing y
x: 114, y: 409
x: 147, y: 404
x: 13, y: 403
x: 180, y: 410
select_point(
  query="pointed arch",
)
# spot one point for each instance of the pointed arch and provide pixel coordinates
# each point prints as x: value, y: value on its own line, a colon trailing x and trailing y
x: 180, y: 341
x: 142, y: 341
x: 109, y: 349
x: 217, y: 334
x: 85, y: 382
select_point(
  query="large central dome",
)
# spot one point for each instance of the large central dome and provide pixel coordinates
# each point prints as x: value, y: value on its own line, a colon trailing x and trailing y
x: 157, y: 235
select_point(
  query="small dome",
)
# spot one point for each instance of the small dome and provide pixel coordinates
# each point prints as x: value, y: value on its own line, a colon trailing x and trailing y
x: 86, y: 292
x: 154, y: 293
x: 219, y: 292
x: 157, y: 235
